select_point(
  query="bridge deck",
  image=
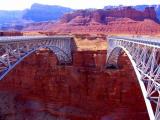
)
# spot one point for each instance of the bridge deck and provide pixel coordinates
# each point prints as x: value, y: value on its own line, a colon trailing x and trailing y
x: 30, y: 38
x: 150, y: 41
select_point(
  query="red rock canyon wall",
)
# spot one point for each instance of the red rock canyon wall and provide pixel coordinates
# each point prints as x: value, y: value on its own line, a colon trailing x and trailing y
x: 38, y: 89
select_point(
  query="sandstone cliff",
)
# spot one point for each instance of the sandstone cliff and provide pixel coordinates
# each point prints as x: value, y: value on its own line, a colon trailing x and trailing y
x: 112, y: 21
x: 85, y: 17
x: 38, y: 89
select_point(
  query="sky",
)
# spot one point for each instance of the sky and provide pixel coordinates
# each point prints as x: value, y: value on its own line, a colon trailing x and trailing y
x: 75, y: 4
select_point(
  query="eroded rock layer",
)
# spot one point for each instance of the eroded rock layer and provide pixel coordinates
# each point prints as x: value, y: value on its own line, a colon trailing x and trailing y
x: 38, y: 89
x: 125, y: 20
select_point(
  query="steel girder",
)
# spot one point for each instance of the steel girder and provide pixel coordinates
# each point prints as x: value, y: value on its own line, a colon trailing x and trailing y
x: 144, y: 54
x: 14, y: 49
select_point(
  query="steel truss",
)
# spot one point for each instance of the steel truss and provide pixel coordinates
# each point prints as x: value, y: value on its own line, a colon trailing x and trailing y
x: 14, y: 49
x: 144, y: 54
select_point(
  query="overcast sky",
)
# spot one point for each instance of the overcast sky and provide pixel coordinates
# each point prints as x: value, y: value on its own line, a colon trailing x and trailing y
x: 76, y: 4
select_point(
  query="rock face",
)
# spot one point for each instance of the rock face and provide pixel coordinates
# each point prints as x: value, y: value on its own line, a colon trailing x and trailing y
x: 114, y: 26
x: 86, y: 17
x: 38, y: 89
x: 40, y: 12
x: 129, y: 12
x: 37, y: 13
x: 124, y: 20
x: 39, y: 26
x: 139, y: 7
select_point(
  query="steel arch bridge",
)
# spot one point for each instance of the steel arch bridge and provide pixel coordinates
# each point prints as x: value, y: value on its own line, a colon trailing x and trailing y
x: 14, y: 49
x: 144, y: 54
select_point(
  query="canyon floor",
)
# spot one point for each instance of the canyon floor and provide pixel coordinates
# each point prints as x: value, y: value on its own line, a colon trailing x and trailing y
x: 39, y: 89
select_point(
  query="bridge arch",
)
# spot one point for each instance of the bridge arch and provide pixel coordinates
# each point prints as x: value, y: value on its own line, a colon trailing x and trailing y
x: 112, y: 62
x: 14, y: 49
x: 144, y: 56
x: 60, y: 55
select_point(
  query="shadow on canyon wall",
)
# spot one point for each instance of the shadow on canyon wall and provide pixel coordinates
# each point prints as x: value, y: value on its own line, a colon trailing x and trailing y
x: 39, y: 89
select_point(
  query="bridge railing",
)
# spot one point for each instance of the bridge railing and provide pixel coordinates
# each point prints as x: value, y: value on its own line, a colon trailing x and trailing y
x: 148, y: 41
x: 30, y: 38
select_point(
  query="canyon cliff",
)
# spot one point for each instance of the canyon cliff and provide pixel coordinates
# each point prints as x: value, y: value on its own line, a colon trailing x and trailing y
x: 39, y: 89
x: 86, y: 17
x: 126, y: 20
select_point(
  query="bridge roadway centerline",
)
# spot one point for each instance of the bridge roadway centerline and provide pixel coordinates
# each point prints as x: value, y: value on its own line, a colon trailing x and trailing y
x: 14, y: 49
x: 144, y: 54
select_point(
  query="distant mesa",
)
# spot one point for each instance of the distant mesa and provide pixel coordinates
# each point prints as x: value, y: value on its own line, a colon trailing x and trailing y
x: 124, y: 20
x: 138, y: 7
x: 112, y: 19
x: 39, y: 12
x: 103, y: 16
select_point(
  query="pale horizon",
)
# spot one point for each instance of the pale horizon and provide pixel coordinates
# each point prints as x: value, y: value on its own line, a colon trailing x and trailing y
x: 74, y: 4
